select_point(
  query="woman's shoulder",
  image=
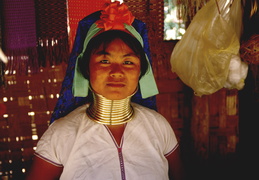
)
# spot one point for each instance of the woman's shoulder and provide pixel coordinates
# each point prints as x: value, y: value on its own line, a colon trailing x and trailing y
x: 145, y: 110
x: 149, y: 116
x: 152, y: 121
x: 71, y: 120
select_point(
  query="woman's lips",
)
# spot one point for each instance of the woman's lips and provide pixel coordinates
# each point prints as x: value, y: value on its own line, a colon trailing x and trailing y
x: 115, y: 85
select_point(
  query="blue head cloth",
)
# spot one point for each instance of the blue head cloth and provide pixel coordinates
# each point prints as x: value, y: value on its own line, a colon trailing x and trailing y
x: 66, y: 101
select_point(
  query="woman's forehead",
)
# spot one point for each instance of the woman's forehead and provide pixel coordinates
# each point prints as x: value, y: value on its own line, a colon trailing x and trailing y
x: 114, y: 45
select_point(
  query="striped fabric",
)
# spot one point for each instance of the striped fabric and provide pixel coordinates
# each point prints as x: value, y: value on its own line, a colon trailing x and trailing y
x: 19, y: 35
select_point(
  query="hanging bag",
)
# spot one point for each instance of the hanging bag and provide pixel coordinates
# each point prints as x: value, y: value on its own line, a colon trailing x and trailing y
x: 202, y: 57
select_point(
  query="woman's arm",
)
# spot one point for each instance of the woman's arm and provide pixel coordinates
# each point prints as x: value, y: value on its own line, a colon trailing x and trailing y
x: 42, y: 170
x: 176, y: 169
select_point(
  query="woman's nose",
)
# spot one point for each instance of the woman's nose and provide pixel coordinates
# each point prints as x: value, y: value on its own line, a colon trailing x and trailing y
x: 116, y: 70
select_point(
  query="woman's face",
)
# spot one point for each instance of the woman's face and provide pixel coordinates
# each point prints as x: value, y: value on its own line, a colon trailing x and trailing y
x: 114, y: 72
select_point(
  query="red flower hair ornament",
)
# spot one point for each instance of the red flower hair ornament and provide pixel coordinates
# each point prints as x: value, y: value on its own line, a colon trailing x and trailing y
x: 114, y: 16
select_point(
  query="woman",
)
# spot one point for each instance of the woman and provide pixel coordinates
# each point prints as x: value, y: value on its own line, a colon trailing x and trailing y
x: 111, y: 137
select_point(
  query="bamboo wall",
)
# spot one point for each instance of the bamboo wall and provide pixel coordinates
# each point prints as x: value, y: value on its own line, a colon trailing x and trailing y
x: 29, y: 101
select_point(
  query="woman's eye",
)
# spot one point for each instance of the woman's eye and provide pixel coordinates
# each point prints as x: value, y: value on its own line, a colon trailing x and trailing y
x: 104, y: 62
x: 128, y: 62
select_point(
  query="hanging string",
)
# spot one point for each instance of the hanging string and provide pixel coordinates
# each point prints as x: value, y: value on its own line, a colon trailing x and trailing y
x: 52, y: 34
x: 217, y: 6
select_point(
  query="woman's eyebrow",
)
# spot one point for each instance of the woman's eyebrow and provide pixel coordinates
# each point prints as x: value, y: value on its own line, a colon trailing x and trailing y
x: 102, y: 52
x: 130, y: 54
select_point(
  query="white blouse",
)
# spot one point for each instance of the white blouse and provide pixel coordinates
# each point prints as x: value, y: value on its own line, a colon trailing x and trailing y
x: 87, y: 150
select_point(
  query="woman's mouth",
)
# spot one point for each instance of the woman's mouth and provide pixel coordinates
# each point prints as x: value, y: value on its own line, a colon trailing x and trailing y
x: 115, y: 85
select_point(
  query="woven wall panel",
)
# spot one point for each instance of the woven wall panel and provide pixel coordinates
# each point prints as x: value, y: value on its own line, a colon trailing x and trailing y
x: 139, y: 9
x: 151, y: 12
x: 77, y: 10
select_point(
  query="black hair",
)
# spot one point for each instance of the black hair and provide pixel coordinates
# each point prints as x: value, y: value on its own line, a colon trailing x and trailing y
x: 104, y: 39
